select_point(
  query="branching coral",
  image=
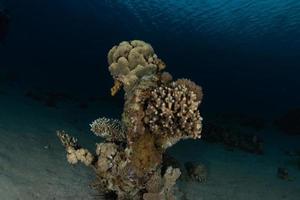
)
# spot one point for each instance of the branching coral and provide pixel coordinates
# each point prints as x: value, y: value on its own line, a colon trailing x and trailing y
x: 161, y: 188
x: 172, y: 112
x: 158, y: 112
x: 110, y: 129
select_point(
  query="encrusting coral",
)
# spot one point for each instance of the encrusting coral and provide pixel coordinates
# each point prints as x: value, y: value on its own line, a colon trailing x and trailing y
x: 158, y: 112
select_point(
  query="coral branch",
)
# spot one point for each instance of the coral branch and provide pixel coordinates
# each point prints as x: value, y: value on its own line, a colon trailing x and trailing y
x: 110, y: 129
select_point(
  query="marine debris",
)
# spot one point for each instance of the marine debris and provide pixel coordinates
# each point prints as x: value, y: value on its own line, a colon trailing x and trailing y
x: 158, y: 112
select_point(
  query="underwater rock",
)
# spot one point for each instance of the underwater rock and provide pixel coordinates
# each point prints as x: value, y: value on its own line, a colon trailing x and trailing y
x: 232, y: 138
x: 283, y: 173
x: 289, y: 123
x: 196, y: 172
x: 169, y: 160
x: 158, y: 112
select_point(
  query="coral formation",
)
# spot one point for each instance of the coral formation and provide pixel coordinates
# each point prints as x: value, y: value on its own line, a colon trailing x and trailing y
x: 74, y: 152
x: 196, y: 172
x: 232, y: 138
x: 172, y: 113
x: 110, y: 129
x: 158, y: 112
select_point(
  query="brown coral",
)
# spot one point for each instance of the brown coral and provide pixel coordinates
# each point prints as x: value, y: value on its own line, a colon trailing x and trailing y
x: 74, y: 152
x: 157, y: 113
x: 172, y: 112
x: 192, y: 86
x: 130, y: 61
x: 145, y: 156
x: 165, y: 183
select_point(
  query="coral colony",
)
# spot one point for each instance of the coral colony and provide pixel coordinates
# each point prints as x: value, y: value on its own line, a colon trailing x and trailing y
x: 158, y: 112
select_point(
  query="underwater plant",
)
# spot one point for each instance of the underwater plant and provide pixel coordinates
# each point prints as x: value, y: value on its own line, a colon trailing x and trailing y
x: 158, y: 112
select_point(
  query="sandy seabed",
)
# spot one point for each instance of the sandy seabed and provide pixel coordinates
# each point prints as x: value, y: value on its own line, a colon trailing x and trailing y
x: 33, y: 163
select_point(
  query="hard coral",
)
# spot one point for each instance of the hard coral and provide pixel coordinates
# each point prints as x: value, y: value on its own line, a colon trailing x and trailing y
x: 130, y: 61
x: 110, y: 129
x: 145, y: 155
x: 157, y: 113
x: 74, y: 152
x: 172, y: 111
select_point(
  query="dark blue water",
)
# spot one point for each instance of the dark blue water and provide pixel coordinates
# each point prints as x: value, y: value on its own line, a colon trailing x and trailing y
x: 245, y: 53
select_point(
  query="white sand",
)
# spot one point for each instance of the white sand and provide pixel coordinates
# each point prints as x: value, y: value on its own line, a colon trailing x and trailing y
x: 33, y: 163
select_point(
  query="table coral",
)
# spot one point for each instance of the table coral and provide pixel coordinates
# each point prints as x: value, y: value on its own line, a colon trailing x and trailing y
x: 158, y: 112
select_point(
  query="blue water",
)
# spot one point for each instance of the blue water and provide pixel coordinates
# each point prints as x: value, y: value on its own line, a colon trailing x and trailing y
x: 245, y: 53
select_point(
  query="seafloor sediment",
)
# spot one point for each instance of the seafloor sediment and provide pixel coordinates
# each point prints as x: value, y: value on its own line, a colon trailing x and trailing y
x: 33, y: 164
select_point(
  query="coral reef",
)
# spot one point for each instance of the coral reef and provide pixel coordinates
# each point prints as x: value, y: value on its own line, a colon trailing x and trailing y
x: 158, y: 112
